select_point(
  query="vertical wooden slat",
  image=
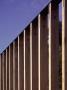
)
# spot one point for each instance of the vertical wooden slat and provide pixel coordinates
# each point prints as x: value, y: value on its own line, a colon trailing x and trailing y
x: 24, y: 63
x: 16, y: 64
x: 4, y: 70
x: 31, y: 56
x: 11, y: 66
x: 53, y: 46
x: 27, y: 57
x: 0, y: 71
x: 21, y: 62
x: 35, y: 54
x: 18, y: 67
x: 44, y: 50
x: 7, y: 68
x: 64, y: 44
x: 39, y: 53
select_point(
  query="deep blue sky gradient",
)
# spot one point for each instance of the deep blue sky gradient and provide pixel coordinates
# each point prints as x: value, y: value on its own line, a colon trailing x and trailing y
x: 15, y: 15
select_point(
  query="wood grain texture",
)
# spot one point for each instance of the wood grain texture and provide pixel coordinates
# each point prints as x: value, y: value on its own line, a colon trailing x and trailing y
x: 53, y: 46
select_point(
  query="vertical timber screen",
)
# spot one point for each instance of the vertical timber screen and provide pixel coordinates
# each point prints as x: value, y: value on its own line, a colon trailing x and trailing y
x: 31, y: 61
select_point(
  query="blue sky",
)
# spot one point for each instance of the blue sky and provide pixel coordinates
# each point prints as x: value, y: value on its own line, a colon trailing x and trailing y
x: 15, y: 15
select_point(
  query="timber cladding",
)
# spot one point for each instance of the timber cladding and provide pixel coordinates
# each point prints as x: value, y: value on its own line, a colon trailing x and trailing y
x: 31, y: 61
